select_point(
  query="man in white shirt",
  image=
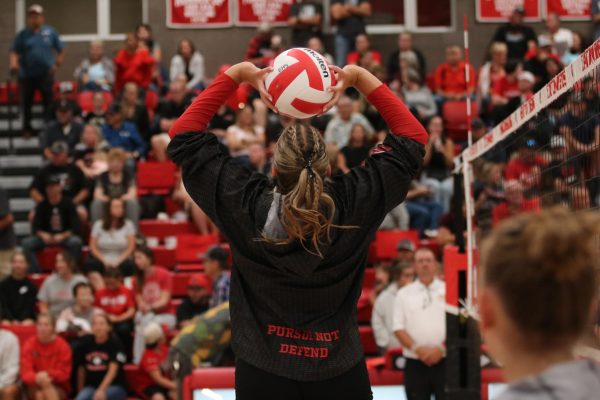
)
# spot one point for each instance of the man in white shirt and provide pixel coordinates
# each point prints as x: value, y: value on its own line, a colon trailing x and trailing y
x: 339, y: 128
x: 9, y: 366
x: 382, y: 320
x: 561, y: 38
x: 420, y: 326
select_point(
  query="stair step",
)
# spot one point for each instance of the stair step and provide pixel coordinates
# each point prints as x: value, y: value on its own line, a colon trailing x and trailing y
x: 14, y: 161
x: 22, y: 228
x: 13, y: 192
x: 15, y: 182
x: 16, y: 171
x: 21, y: 204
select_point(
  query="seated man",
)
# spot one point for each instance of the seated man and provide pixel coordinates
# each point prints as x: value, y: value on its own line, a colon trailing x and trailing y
x: 64, y: 129
x: 69, y: 177
x: 119, y: 133
x: 515, y: 203
x: 450, y: 80
x: 199, y: 292
x: 9, y: 366
x: 525, y: 167
x: 55, y: 224
x: 76, y: 320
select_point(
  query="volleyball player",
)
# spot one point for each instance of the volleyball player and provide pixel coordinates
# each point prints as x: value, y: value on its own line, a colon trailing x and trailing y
x: 538, y: 286
x: 299, y: 241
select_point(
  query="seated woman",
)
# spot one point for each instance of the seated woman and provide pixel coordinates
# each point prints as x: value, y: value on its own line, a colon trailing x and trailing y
x: 188, y: 62
x: 417, y: 96
x: 99, y: 360
x: 90, y: 152
x: 156, y: 384
x: 153, y: 296
x: 438, y: 163
x: 18, y: 294
x: 45, y: 362
x: 356, y: 151
x: 118, y: 183
x: 117, y: 302
x: 244, y: 133
x: 76, y: 321
x: 56, y: 292
x: 96, y: 72
x: 204, y: 225
x: 536, y: 297
x: 111, y: 244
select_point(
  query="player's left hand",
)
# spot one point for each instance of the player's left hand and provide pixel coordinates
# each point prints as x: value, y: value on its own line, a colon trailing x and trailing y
x: 256, y: 78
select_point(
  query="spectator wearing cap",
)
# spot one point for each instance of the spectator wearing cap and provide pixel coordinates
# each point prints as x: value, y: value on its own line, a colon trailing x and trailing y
x: 382, y: 320
x: 9, y: 366
x: 133, y: 63
x: 525, y: 166
x: 561, y: 39
x: 515, y: 203
x: 537, y: 57
x: 405, y: 57
x: 123, y: 134
x: 419, y: 324
x: 64, y: 129
x: 55, y: 223
x: 156, y: 384
x: 35, y: 54
x: 96, y: 71
x: 405, y: 252
x: 349, y: 16
x: 519, y: 38
x: 18, y: 294
x: 117, y: 302
x: 450, y: 79
x: 217, y: 269
x: 8, y: 240
x: 305, y: 19
x: 417, y: 96
x: 66, y: 95
x: 199, y: 294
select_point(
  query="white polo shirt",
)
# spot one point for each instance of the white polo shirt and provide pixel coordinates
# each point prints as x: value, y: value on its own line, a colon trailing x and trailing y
x: 421, y: 311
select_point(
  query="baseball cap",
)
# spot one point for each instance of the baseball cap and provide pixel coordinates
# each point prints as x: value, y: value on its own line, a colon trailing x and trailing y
x: 64, y: 105
x: 557, y: 141
x: 59, y: 147
x: 35, y: 9
x: 152, y: 333
x: 405, y: 245
x: 527, y: 76
x: 216, y: 253
x: 477, y: 123
x: 200, y: 280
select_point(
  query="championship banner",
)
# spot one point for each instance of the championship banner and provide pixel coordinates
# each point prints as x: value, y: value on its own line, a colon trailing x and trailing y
x: 255, y: 12
x: 500, y: 10
x: 570, y: 10
x: 186, y: 14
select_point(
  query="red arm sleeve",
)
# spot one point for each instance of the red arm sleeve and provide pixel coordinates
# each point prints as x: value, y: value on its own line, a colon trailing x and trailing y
x: 398, y: 118
x: 27, y: 372
x: 199, y: 114
x: 61, y: 369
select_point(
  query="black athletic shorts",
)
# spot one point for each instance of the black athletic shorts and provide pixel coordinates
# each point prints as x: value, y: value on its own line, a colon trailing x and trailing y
x: 154, y: 389
x: 252, y: 383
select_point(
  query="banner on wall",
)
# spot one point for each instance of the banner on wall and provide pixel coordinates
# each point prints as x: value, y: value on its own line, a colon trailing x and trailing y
x: 255, y: 12
x: 185, y: 14
x: 500, y: 10
x: 570, y: 10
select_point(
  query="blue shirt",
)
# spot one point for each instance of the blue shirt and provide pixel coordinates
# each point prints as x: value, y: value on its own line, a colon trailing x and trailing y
x: 35, y: 50
x: 126, y: 136
x: 220, y: 289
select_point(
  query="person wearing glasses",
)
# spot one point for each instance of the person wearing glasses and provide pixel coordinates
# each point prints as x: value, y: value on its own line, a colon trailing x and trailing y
x: 420, y: 326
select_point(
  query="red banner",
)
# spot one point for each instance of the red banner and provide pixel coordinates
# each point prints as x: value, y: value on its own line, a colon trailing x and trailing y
x: 571, y: 10
x: 255, y: 12
x: 199, y: 13
x: 500, y: 10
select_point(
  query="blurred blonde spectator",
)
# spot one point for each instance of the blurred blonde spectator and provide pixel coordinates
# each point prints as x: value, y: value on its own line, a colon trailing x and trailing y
x: 492, y: 70
x: 188, y: 62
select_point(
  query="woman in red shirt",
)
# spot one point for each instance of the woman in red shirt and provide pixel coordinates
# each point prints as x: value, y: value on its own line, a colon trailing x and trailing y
x: 46, y: 362
x: 133, y: 63
x: 153, y: 287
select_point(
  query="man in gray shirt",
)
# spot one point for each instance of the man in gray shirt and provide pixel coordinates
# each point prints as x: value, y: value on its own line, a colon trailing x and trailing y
x: 339, y: 128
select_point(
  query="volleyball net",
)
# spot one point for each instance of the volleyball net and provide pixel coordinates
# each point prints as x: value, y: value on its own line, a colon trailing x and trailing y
x: 545, y: 153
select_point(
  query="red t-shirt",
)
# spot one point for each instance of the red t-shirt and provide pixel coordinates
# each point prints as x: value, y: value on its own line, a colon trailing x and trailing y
x: 133, y: 67
x: 354, y: 57
x: 516, y: 169
x: 114, y: 302
x: 501, y: 211
x: 502, y: 87
x: 160, y: 280
x: 452, y: 79
x: 152, y: 360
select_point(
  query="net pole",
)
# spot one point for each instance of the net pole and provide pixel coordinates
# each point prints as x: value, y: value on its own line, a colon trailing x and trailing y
x: 467, y: 78
x: 466, y: 171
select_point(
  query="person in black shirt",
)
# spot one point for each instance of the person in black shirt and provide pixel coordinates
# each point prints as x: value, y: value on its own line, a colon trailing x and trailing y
x: 305, y: 20
x: 135, y: 111
x: 18, y: 295
x: 519, y: 38
x: 199, y: 292
x: 71, y: 179
x: 350, y: 20
x: 64, y: 128
x: 99, y: 359
x: 55, y: 223
x: 300, y: 241
x: 357, y: 150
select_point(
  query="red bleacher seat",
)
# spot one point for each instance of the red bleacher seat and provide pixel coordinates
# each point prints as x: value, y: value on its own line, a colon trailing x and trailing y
x: 385, y: 377
x: 164, y: 257
x: 369, y: 278
x: 368, y: 340
x: 156, y: 177
x: 151, y: 100
x: 189, y: 267
x: 37, y: 279
x: 455, y: 119
x: 22, y: 332
x: 180, y: 284
x: 162, y: 229
x: 490, y: 375
x: 364, y: 309
x: 387, y: 241
x: 47, y: 258
x: 213, y: 378
x: 9, y: 93
x: 85, y: 100
x: 191, y: 248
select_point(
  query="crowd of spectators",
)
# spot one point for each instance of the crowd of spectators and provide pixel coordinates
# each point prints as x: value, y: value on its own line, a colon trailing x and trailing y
x: 87, y: 186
